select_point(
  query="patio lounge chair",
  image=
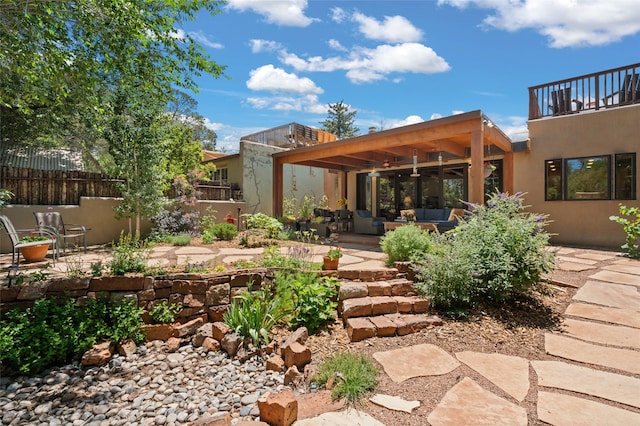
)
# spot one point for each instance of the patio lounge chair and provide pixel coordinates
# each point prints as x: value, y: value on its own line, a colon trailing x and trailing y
x: 53, y: 222
x: 16, y: 244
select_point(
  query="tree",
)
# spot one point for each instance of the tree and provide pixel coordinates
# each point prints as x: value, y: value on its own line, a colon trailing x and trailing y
x: 135, y: 138
x: 60, y: 61
x: 340, y: 121
x: 183, y: 110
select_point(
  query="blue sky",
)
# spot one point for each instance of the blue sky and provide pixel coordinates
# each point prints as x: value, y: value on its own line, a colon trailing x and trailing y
x: 400, y: 62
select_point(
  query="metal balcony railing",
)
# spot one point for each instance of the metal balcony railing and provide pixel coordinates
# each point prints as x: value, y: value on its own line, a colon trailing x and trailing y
x: 605, y: 89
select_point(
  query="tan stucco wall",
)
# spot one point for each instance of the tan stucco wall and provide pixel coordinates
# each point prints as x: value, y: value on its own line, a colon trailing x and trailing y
x: 97, y: 214
x: 604, y: 132
x: 257, y: 178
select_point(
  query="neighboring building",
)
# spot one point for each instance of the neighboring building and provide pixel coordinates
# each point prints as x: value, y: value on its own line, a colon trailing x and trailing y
x: 250, y: 171
x: 585, y: 137
x: 29, y: 157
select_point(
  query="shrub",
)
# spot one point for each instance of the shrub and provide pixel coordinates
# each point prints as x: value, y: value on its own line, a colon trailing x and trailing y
x: 253, y: 314
x: 180, y: 240
x: 129, y: 255
x: 495, y: 252
x: 164, y: 313
x: 406, y: 243
x: 631, y: 228
x: 356, y: 374
x: 51, y: 333
x: 309, y: 299
x: 268, y: 224
x: 176, y: 220
x: 219, y: 231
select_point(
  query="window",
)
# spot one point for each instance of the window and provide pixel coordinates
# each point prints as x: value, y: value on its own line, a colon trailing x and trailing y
x: 625, y: 176
x: 221, y: 175
x: 587, y: 178
x: 553, y: 179
x: 591, y: 178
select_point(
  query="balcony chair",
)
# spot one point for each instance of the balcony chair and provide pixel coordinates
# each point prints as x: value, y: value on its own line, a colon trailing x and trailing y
x: 16, y: 244
x: 54, y: 223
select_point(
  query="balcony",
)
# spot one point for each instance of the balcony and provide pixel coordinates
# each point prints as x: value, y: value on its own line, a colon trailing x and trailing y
x: 605, y: 89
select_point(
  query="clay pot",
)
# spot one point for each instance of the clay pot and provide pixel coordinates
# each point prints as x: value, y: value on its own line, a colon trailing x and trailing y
x: 35, y: 253
x: 330, y: 264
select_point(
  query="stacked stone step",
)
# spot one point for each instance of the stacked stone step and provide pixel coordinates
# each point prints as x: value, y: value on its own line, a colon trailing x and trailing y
x: 382, y: 309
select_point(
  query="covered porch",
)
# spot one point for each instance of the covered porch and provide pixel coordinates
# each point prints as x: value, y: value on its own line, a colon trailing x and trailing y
x: 407, y: 159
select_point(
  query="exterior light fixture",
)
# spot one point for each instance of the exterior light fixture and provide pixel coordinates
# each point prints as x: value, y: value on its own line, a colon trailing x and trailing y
x: 415, y: 164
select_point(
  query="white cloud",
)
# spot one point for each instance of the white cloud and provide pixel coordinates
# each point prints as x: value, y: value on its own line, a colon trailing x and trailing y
x: 281, y: 12
x: 307, y: 103
x: 336, y: 45
x: 258, y: 45
x: 202, y: 39
x: 338, y: 14
x: 394, y: 29
x: 567, y: 23
x: 513, y: 126
x: 366, y: 65
x: 272, y: 79
x: 211, y: 125
x: 435, y: 116
x: 411, y: 119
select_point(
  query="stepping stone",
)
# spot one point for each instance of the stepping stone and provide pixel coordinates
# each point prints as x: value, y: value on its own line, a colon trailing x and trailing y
x: 614, y: 335
x: 576, y: 260
x: 193, y: 250
x: 229, y: 251
x: 625, y: 269
x: 509, y: 373
x: 617, y: 277
x: 574, y: 267
x: 595, y: 256
x: 467, y: 403
x: 370, y: 254
x: 614, y: 387
x: 620, y: 316
x: 415, y: 361
x: 576, y: 350
x: 560, y: 409
x: 565, y: 251
x: 394, y: 403
x: 613, y: 295
x: 349, y: 417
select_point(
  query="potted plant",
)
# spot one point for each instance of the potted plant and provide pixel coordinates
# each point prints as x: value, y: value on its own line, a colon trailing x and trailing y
x: 332, y: 259
x: 35, y: 252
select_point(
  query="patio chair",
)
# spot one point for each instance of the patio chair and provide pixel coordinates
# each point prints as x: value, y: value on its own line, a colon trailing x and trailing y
x: 54, y: 223
x: 16, y: 244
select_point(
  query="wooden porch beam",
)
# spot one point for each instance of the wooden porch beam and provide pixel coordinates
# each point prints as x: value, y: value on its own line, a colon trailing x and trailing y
x: 278, y: 188
x: 476, y: 195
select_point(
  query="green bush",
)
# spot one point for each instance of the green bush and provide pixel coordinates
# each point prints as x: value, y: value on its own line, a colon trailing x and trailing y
x: 631, y: 228
x: 180, y: 240
x: 164, y: 313
x: 406, y: 243
x: 271, y: 226
x: 129, y: 255
x: 219, y: 231
x: 495, y: 252
x: 309, y: 298
x: 355, y: 375
x: 52, y: 333
x: 253, y: 314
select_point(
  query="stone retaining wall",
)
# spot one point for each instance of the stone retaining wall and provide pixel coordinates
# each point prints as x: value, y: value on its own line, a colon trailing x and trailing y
x: 206, y: 296
x: 201, y: 295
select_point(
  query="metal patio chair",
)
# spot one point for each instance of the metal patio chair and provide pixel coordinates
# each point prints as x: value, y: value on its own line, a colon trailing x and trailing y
x: 16, y: 244
x: 70, y: 231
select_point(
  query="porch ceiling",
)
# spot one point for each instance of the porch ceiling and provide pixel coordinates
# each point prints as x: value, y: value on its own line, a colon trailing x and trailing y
x: 450, y: 135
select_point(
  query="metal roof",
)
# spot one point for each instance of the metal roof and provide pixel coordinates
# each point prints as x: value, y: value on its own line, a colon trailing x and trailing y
x: 38, y: 158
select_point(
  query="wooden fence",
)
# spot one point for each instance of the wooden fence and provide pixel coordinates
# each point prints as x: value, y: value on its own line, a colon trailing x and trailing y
x: 56, y: 187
